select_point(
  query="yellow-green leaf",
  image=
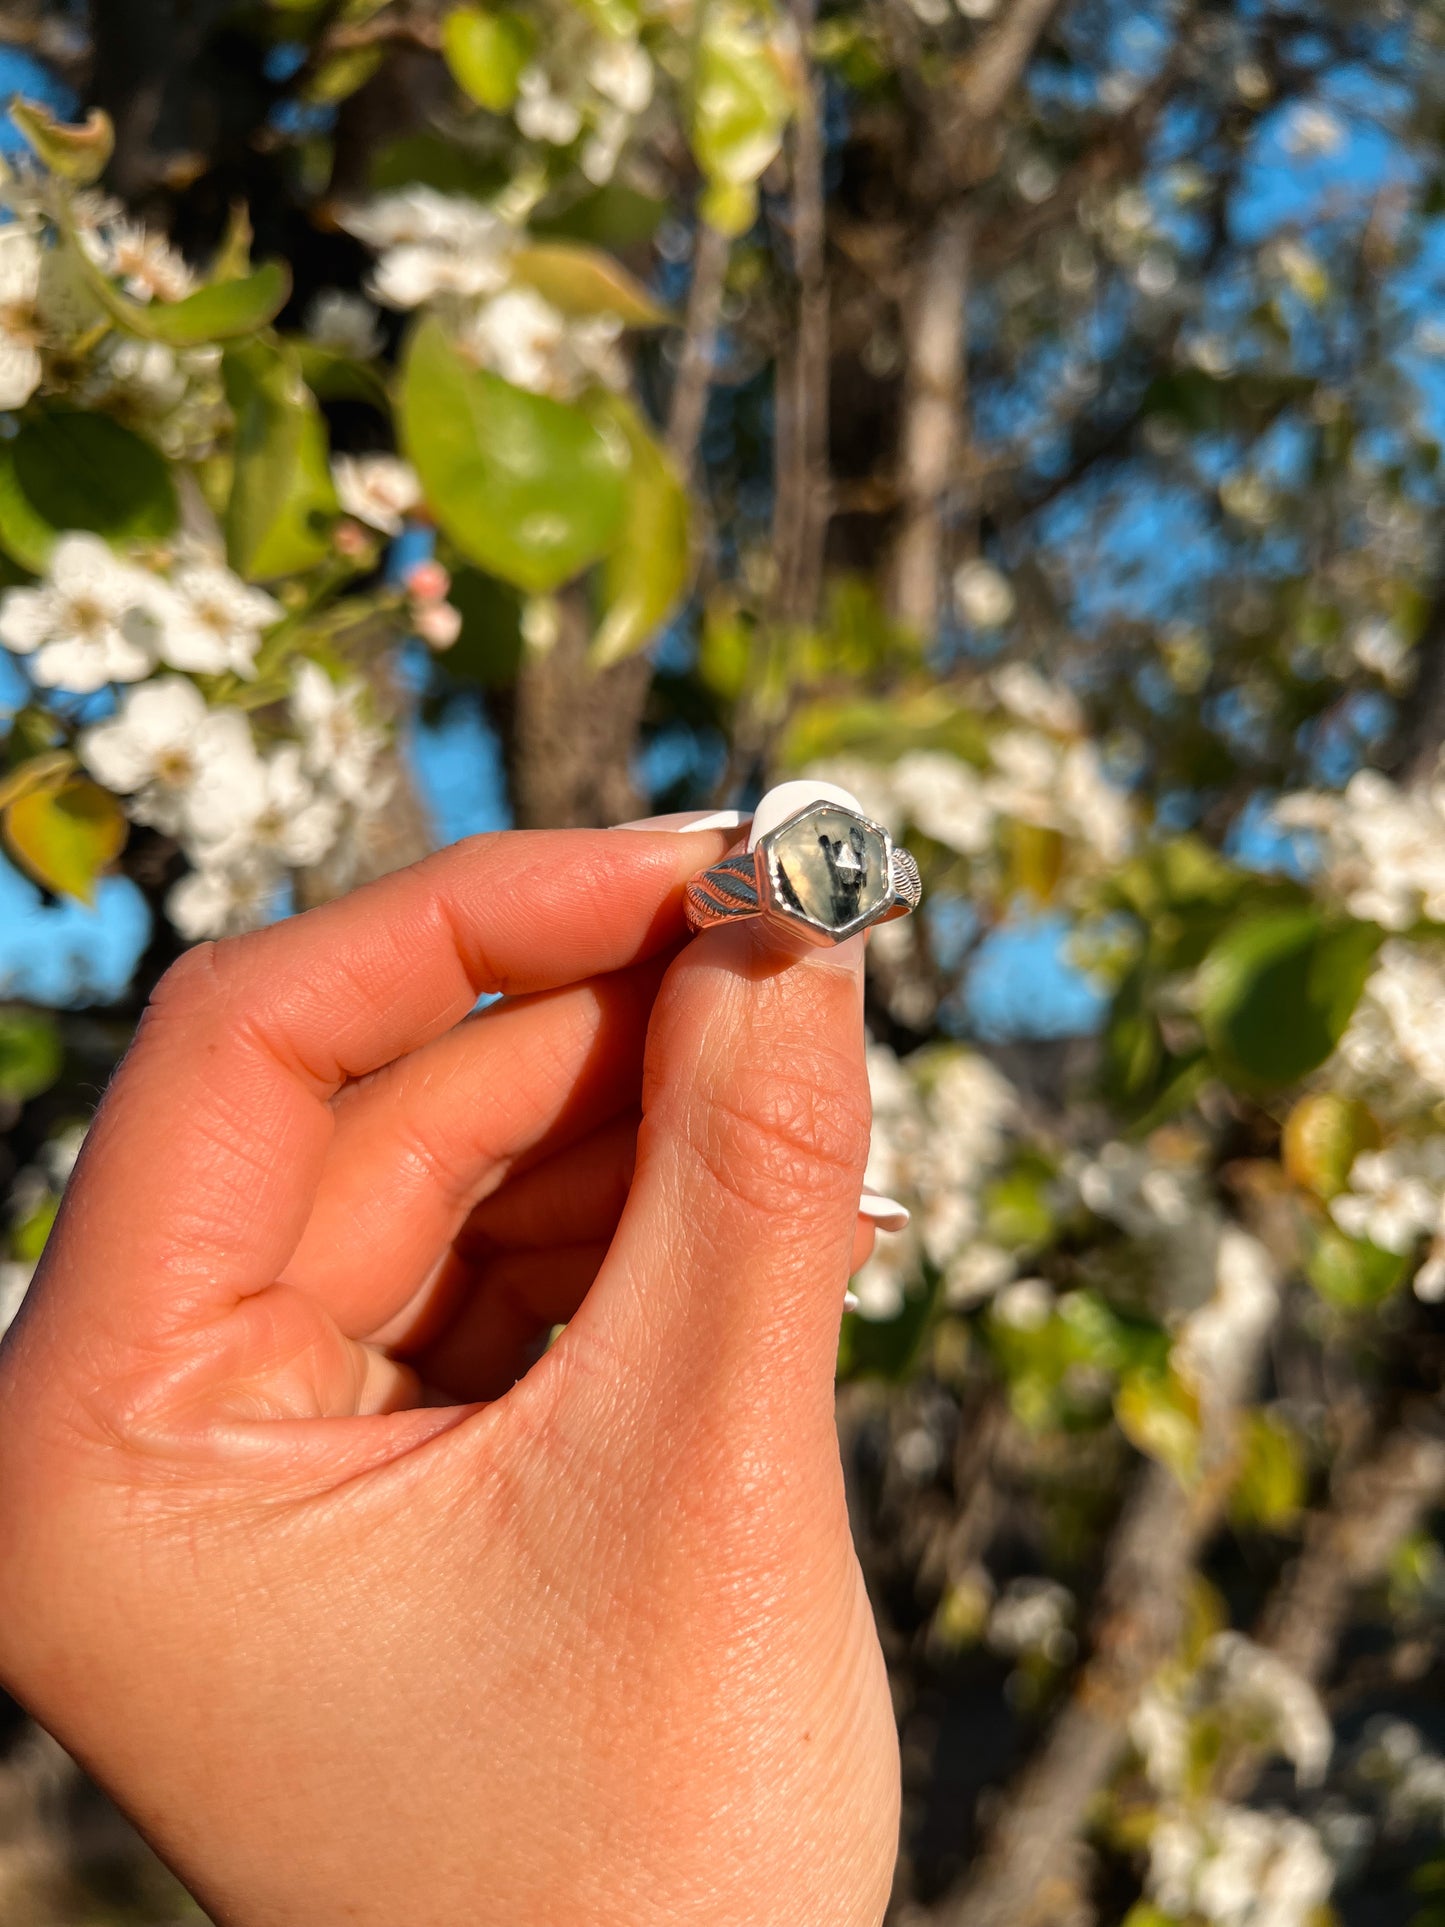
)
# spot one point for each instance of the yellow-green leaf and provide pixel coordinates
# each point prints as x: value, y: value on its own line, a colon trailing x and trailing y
x: 1270, y: 1487
x: 343, y: 75
x: 76, y: 153
x: 71, y: 469
x: 282, y: 496
x: 741, y: 101
x: 584, y: 281
x: 530, y: 489
x: 487, y: 53
x: 647, y: 569
x: 224, y: 310
x: 1159, y: 1415
x: 1323, y: 1137
x: 45, y: 769
x: 64, y: 835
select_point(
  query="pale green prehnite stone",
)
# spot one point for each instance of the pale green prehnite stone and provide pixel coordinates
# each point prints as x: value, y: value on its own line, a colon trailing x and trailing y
x: 831, y: 867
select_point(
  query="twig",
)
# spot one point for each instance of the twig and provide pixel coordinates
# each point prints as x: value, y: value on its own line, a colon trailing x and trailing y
x: 1136, y: 1626
x: 688, y: 409
x: 960, y: 156
x: 801, y: 447
x: 1376, y: 1503
x: 934, y: 399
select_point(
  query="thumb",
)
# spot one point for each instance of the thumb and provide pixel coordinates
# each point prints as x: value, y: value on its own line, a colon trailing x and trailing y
x: 723, y: 1290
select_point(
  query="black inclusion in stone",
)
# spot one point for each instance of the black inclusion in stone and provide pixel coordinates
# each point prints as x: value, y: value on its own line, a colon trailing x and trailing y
x: 846, y: 885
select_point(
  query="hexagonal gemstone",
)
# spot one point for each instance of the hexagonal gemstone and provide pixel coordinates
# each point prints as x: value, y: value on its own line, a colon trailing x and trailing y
x: 830, y: 866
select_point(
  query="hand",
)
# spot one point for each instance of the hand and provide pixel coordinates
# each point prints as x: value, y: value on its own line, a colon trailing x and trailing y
x: 356, y: 1627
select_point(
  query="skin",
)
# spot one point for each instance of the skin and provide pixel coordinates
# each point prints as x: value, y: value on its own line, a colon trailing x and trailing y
x: 365, y: 1612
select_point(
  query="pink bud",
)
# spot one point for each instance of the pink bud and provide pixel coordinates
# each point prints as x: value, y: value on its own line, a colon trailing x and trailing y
x: 438, y: 624
x: 351, y: 540
x: 427, y: 582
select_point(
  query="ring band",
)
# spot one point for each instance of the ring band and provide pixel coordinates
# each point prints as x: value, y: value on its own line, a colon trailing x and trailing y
x: 824, y: 873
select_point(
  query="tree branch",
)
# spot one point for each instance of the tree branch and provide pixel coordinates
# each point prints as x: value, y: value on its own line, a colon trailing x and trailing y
x: 688, y: 408
x: 1137, y: 1625
x: 935, y: 383
x: 801, y: 444
x: 1375, y: 1504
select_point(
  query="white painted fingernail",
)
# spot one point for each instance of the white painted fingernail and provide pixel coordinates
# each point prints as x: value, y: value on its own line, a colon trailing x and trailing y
x: 887, y: 1213
x: 786, y: 799
x: 690, y: 820
x: 850, y: 1301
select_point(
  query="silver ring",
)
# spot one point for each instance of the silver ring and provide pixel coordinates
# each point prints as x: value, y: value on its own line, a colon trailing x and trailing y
x: 824, y: 873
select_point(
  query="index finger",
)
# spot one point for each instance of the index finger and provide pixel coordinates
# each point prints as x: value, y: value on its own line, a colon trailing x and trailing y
x: 197, y: 1177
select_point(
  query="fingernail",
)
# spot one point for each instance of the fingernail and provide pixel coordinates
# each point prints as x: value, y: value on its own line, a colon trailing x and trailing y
x: 850, y: 1301
x: 887, y: 1213
x: 690, y: 820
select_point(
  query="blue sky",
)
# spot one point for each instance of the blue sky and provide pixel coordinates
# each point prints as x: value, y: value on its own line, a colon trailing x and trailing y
x: 1021, y: 982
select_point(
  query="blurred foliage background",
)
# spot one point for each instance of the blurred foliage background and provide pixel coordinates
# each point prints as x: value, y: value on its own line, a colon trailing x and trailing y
x: 427, y: 415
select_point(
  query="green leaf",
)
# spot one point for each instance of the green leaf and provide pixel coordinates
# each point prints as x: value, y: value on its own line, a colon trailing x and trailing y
x: 1270, y: 1488
x: 1323, y: 1136
x: 530, y: 489
x: 741, y: 104
x: 647, y: 571
x: 65, y: 835
x: 615, y: 216
x: 336, y: 377
x: 79, y: 154
x: 225, y: 310
x: 488, y: 652
x: 30, y: 1054
x: 428, y: 160
x: 487, y: 53
x: 66, y: 470
x: 1352, y: 1273
x: 1277, y: 990
x: 282, y: 496
x: 583, y: 282
x: 342, y: 76
x: 1159, y: 1416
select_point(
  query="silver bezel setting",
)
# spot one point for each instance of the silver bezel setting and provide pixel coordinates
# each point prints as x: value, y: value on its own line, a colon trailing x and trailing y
x: 812, y: 929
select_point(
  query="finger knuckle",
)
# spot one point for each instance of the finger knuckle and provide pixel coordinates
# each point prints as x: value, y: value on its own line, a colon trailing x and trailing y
x: 192, y: 987
x: 790, y: 1135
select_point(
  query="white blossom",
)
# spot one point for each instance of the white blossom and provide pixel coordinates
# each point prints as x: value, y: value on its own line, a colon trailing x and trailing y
x: 344, y: 324
x: 1399, y: 1021
x: 1034, y: 699
x: 1218, y: 1346
x: 1249, y: 1681
x: 21, y: 329
x: 1396, y: 1195
x: 341, y: 745
x: 621, y: 72
x: 160, y: 745
x: 1238, y: 1868
x: 945, y: 799
x: 145, y: 264
x: 267, y: 806
x: 1312, y: 130
x: 1060, y: 786
x: 211, y: 621
x: 1159, y: 1733
x: 543, y: 115
x: 379, y: 490
x: 15, y: 1280
x: 1026, y: 1305
x: 1384, y: 847
x: 531, y: 344
x: 432, y: 245
x: 92, y: 621
x: 1032, y: 1615
x: 982, y: 595
x: 223, y: 902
